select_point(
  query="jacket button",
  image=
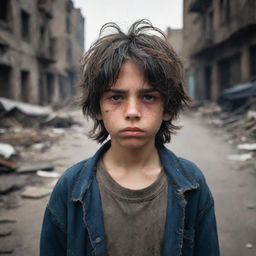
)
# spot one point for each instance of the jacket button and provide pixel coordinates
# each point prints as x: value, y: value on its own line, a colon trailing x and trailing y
x: 97, y: 240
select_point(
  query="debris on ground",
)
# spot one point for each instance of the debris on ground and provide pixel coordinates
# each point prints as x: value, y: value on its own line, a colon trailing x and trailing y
x: 239, y: 125
x: 7, y: 150
x: 242, y: 157
x: 34, y: 192
x: 249, y: 246
x: 28, y: 168
x: 10, y: 183
x: 248, y: 147
x: 7, y: 166
x: 5, y: 230
x: 6, y: 251
x: 48, y: 174
x: 59, y: 121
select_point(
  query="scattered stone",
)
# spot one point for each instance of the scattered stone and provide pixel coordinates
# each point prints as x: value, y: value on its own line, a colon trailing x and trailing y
x: 7, y: 166
x: 5, y: 221
x: 34, y: 168
x: 36, y: 192
x: 251, y: 114
x: 249, y: 246
x: 25, y: 108
x: 48, y: 174
x: 59, y: 121
x: 6, y: 251
x: 242, y: 157
x: 3, y: 131
x: 7, y: 150
x: 8, y: 188
x: 5, y: 231
x: 250, y: 206
x: 249, y: 147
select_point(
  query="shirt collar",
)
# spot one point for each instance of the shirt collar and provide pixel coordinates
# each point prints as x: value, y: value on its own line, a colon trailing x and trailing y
x: 178, y: 175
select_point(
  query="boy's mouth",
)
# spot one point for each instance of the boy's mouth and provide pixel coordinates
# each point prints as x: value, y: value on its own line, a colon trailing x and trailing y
x: 132, y: 131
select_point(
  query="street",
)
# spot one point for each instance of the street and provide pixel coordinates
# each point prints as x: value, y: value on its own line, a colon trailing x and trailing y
x: 233, y: 187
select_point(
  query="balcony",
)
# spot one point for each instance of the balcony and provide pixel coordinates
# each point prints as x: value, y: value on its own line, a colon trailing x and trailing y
x: 45, y: 57
x: 45, y: 6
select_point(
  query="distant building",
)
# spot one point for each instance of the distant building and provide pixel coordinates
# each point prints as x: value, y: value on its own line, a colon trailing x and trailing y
x: 175, y: 37
x: 41, y: 43
x: 219, y: 45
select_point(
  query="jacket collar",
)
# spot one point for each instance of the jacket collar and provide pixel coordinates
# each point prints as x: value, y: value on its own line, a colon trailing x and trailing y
x: 176, y: 173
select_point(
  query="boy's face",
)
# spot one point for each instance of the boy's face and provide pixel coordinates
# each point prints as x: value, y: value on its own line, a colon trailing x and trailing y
x: 132, y: 110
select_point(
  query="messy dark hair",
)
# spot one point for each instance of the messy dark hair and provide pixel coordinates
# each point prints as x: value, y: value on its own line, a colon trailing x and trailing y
x: 146, y: 46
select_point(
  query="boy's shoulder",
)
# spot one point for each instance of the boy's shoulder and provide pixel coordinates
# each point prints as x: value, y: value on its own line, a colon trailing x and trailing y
x: 192, y: 168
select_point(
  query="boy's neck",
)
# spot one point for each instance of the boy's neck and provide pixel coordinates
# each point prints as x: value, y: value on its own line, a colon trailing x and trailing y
x: 132, y: 158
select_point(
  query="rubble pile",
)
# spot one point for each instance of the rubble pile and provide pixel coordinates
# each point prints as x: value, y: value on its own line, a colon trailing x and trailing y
x: 26, y: 130
x: 240, y: 125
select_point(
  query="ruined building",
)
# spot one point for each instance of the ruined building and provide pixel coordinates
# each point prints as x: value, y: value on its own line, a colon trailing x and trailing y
x: 41, y: 43
x: 175, y: 37
x: 219, y: 45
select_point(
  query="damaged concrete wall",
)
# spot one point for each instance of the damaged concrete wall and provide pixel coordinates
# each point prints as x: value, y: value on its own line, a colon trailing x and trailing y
x: 35, y: 55
x: 219, y: 45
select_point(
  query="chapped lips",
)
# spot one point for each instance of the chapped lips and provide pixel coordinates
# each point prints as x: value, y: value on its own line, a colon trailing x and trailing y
x: 132, y: 129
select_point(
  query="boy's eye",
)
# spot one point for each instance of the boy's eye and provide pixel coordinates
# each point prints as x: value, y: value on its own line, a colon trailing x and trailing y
x: 149, y: 98
x: 115, y: 97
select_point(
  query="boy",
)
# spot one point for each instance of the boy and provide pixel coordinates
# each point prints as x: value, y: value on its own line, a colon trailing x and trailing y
x: 133, y: 197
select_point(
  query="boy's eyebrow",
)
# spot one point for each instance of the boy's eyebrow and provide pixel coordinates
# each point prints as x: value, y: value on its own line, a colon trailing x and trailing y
x: 124, y: 91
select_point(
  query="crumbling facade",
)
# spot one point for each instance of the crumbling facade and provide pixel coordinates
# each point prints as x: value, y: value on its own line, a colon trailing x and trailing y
x: 41, y: 43
x: 219, y: 45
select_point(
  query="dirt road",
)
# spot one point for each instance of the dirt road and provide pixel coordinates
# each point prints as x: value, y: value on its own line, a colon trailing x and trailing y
x: 234, y: 189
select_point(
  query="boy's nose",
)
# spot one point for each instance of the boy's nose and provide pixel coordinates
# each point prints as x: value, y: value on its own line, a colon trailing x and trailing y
x: 132, y: 111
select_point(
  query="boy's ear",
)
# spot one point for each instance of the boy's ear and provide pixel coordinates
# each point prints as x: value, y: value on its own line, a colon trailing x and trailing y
x: 167, y: 117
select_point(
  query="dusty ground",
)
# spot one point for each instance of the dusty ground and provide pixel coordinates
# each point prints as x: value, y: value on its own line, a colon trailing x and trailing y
x: 233, y: 188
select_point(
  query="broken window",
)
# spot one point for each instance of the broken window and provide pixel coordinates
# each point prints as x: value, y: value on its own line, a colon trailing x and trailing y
x: 50, y: 87
x: 225, y: 11
x: 24, y: 86
x: 69, y: 52
x: 208, y: 82
x: 5, y: 74
x: 42, y: 33
x: 5, y: 13
x: 68, y: 25
x: 52, y: 47
x: 25, y: 17
x: 253, y: 61
x: 209, y: 26
x: 5, y: 4
x: 229, y: 71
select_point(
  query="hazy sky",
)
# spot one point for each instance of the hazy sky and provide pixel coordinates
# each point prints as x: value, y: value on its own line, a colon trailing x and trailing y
x: 162, y: 13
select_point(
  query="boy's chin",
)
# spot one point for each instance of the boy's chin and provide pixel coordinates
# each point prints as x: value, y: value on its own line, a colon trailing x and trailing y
x: 134, y: 143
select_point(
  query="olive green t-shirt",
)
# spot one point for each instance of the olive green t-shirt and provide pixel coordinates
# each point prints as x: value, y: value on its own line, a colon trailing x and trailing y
x: 134, y: 220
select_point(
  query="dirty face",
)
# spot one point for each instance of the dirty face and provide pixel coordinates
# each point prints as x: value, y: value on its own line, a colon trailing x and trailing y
x: 132, y: 110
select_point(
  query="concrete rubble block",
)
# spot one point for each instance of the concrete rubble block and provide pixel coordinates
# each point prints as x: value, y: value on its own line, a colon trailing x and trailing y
x: 7, y: 150
x: 28, y: 168
x: 47, y: 174
x: 7, y: 166
x: 36, y: 192
x: 28, y: 109
x: 248, y: 147
x: 9, y: 183
x: 241, y: 157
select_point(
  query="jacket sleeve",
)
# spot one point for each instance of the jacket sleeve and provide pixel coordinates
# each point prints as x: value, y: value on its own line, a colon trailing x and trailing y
x: 206, y: 238
x: 54, y: 229
x: 53, y: 238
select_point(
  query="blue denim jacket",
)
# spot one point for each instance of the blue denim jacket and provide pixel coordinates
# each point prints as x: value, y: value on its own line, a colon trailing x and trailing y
x: 73, y: 222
